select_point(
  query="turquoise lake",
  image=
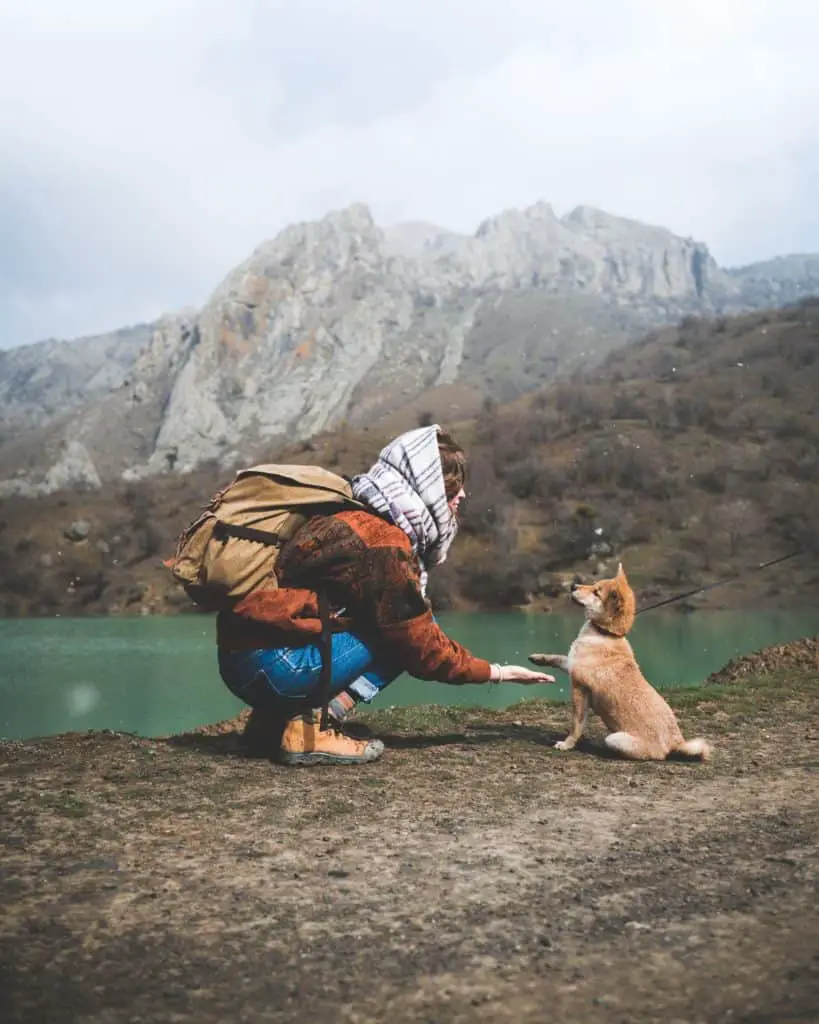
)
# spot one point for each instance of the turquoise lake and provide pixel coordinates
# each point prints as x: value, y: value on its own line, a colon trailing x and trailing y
x: 153, y: 676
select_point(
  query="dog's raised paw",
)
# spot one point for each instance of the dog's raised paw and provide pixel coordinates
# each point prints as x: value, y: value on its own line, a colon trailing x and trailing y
x: 564, y: 745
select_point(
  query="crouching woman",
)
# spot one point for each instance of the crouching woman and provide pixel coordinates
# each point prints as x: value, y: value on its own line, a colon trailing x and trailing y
x: 372, y: 563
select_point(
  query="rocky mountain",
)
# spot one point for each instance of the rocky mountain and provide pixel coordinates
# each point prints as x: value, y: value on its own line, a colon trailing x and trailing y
x: 776, y: 282
x: 339, y: 321
x: 41, y: 382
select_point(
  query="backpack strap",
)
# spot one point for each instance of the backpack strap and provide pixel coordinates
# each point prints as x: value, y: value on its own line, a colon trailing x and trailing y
x: 222, y: 530
x: 326, y: 648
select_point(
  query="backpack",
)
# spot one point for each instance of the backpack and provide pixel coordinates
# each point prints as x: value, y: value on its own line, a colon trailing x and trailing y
x: 235, y: 543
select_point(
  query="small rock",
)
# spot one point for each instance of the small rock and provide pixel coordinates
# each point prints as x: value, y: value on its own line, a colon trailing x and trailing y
x: 78, y: 530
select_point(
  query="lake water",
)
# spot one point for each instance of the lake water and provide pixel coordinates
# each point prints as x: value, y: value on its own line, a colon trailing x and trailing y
x: 154, y: 676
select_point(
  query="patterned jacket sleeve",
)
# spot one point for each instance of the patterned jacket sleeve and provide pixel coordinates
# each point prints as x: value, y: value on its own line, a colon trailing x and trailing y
x: 400, y: 621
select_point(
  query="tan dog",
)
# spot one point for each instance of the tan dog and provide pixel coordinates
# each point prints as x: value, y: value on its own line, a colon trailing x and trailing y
x: 605, y: 677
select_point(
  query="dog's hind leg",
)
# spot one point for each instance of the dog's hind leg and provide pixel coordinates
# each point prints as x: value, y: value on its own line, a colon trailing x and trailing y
x: 560, y: 661
x: 632, y: 747
x: 698, y: 748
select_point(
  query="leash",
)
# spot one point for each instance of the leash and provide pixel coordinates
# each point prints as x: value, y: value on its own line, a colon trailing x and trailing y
x: 719, y: 583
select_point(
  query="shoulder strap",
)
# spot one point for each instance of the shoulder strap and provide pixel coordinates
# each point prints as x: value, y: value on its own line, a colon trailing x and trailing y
x: 222, y: 530
x: 326, y: 648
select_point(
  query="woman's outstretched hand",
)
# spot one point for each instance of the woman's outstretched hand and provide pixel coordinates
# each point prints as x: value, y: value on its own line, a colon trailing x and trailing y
x: 518, y: 674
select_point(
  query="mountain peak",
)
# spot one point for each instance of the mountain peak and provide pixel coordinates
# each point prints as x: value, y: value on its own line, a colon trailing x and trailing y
x: 517, y: 220
x: 322, y: 325
x: 414, y: 238
x: 354, y: 216
x: 595, y: 221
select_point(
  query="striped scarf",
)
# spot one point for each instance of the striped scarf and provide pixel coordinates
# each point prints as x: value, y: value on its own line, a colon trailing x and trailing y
x: 406, y: 486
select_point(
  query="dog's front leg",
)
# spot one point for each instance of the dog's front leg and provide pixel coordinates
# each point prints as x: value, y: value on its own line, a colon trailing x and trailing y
x: 580, y: 715
x: 560, y: 661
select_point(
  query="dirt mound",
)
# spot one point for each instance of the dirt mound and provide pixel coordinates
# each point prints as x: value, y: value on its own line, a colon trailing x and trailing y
x: 238, y: 724
x: 801, y: 655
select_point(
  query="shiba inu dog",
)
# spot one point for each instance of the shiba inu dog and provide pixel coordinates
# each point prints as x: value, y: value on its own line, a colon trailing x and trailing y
x: 606, y: 679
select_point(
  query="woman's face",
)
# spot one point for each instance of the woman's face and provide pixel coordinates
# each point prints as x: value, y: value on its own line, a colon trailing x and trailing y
x: 454, y: 503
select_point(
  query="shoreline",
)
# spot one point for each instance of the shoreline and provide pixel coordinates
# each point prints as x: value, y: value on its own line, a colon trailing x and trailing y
x: 749, y: 600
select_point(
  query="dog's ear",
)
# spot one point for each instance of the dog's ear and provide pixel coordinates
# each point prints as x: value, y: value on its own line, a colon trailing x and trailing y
x: 615, y: 602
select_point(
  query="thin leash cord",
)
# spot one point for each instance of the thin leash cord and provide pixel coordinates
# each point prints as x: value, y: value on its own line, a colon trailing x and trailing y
x: 719, y: 583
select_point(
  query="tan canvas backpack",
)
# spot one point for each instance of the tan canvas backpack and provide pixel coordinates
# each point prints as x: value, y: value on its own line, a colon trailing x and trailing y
x: 233, y: 546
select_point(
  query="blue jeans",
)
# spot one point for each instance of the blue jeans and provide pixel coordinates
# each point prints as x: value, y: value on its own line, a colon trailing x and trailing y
x: 287, y: 678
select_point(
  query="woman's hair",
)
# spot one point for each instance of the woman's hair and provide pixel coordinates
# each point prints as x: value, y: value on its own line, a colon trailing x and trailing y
x: 453, y: 463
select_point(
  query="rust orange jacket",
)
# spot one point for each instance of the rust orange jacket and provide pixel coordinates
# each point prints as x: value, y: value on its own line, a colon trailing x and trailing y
x: 373, y: 582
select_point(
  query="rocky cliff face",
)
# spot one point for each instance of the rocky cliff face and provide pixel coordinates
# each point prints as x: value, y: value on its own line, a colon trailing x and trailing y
x: 588, y: 252
x: 285, y: 339
x: 777, y: 282
x: 338, y: 320
x: 41, y: 382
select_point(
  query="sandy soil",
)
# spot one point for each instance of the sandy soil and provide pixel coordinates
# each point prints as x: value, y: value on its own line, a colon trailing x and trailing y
x: 474, y: 873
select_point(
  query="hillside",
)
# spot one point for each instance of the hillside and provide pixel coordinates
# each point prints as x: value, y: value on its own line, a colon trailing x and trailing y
x: 340, y: 322
x: 690, y: 454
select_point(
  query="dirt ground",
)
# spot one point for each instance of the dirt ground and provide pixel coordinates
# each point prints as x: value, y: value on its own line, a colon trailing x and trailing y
x: 474, y: 873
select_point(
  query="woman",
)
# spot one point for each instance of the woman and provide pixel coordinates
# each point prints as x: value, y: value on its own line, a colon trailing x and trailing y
x: 373, y: 565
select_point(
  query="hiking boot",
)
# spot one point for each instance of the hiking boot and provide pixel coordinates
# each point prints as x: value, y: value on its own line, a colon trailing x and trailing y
x: 263, y: 732
x: 303, y: 743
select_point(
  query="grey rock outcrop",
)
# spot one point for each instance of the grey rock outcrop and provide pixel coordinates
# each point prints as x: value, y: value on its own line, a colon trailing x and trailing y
x: 73, y: 468
x: 41, y: 382
x: 776, y: 282
x: 588, y: 251
x: 78, y: 531
x: 416, y: 239
x: 285, y: 339
x: 340, y: 321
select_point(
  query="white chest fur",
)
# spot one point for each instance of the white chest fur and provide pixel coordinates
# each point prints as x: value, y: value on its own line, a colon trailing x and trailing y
x: 587, y: 638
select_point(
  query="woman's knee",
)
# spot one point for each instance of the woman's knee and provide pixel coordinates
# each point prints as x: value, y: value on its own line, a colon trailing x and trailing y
x: 262, y: 677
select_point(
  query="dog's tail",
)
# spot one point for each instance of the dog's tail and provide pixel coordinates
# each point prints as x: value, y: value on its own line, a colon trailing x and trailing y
x: 698, y: 749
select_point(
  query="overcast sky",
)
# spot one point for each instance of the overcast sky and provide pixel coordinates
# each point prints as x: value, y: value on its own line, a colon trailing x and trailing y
x: 146, y: 146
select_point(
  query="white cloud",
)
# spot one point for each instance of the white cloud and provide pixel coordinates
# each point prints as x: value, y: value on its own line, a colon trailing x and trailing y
x: 148, y: 145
